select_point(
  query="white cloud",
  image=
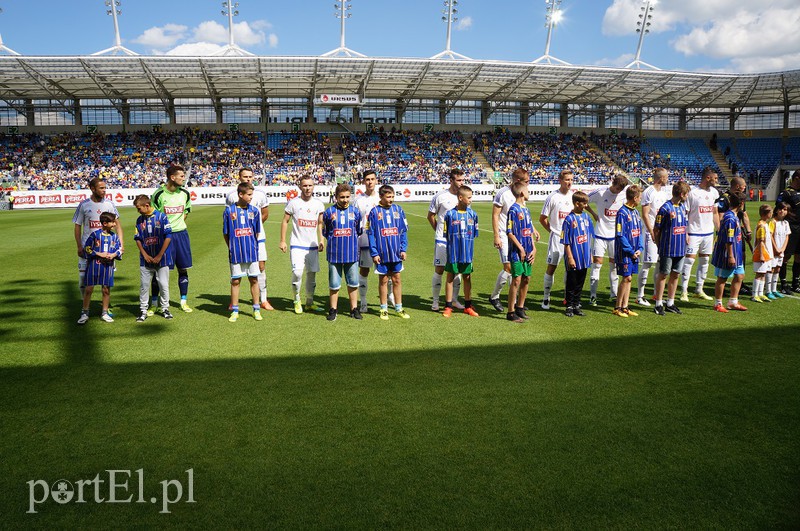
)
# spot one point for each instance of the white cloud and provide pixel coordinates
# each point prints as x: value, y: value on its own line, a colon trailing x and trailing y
x: 244, y: 33
x: 195, y: 49
x: 162, y: 37
x: 464, y: 23
x: 273, y: 40
x: 755, y: 36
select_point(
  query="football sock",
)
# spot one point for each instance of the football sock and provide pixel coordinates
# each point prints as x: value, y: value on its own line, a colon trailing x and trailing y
x: 659, y: 302
x: 456, y: 286
x: 235, y: 308
x: 594, y: 279
x: 467, y: 303
x: 686, y: 273
x: 502, y: 280
x: 436, y: 286
x: 296, y: 276
x: 362, y: 289
x: 670, y: 302
x: 702, y: 272
x: 390, y: 291
x: 183, y: 282
x: 547, y: 285
x: 613, y: 279
x: 311, y: 285
x: 256, y: 307
x: 384, y: 307
x: 262, y: 285
x: 645, y: 271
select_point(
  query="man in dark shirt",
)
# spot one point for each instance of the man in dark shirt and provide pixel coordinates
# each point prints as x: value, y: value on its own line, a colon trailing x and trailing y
x: 791, y: 196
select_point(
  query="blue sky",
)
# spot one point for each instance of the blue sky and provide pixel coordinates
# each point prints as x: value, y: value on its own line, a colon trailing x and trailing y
x: 689, y: 35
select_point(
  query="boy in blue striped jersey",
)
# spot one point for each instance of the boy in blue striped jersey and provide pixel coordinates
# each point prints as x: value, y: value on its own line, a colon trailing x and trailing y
x: 341, y: 226
x: 627, y: 248
x: 242, y: 230
x: 460, y: 228
x: 728, y: 259
x: 101, y: 248
x: 388, y: 242
x: 577, y: 232
x: 671, y: 236
x: 153, y: 236
x: 521, y: 252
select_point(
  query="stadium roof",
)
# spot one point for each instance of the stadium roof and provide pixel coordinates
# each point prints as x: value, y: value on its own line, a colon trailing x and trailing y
x: 162, y: 77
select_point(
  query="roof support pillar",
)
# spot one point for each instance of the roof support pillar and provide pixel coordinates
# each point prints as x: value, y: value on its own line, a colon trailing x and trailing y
x: 601, y: 116
x: 486, y: 111
x: 399, y: 111
x: 310, y: 111
x: 564, y: 115
x: 732, y: 119
x: 682, y: 119
x: 78, y: 115
x: 217, y: 109
x: 30, y: 113
x: 442, y: 111
x: 264, y: 111
x: 125, y: 112
x: 171, y: 115
x: 524, y: 113
x: 637, y: 118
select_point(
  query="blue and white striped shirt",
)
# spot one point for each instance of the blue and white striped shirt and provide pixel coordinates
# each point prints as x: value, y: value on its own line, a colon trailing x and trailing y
x: 342, y: 227
x: 520, y: 225
x: 244, y: 230
x: 388, y: 233
x: 98, y: 271
x: 577, y: 232
x: 460, y: 228
x: 671, y: 221
x: 152, y: 231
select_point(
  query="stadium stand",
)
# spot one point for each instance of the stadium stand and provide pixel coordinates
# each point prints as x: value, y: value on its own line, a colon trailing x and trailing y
x: 754, y: 159
x: 544, y: 155
x: 407, y: 157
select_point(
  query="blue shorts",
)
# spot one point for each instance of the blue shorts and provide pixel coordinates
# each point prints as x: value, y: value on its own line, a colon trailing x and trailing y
x: 627, y: 267
x: 335, y: 272
x: 728, y: 273
x: 387, y: 268
x: 181, y: 249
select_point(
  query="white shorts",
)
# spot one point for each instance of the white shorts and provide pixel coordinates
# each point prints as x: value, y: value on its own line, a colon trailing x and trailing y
x: 777, y: 261
x: 762, y: 267
x: 365, y: 259
x: 700, y: 245
x: 650, y: 249
x: 304, y: 259
x: 81, y: 265
x: 603, y: 247
x: 245, y: 269
x: 555, y: 251
x: 439, y: 254
x: 262, y: 252
x: 503, y: 250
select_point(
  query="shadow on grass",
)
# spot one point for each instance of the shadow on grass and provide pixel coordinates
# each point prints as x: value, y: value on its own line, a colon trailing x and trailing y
x: 561, y: 433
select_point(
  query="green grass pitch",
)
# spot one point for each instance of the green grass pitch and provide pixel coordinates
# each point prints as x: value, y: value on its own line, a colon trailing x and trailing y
x: 688, y: 421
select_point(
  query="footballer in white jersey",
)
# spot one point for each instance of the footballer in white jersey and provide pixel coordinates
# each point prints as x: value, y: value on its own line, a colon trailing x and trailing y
x: 87, y: 220
x: 703, y: 218
x: 441, y: 203
x: 305, y: 212
x: 365, y: 203
x: 652, y: 201
x: 606, y: 200
x: 503, y: 201
x: 556, y: 208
